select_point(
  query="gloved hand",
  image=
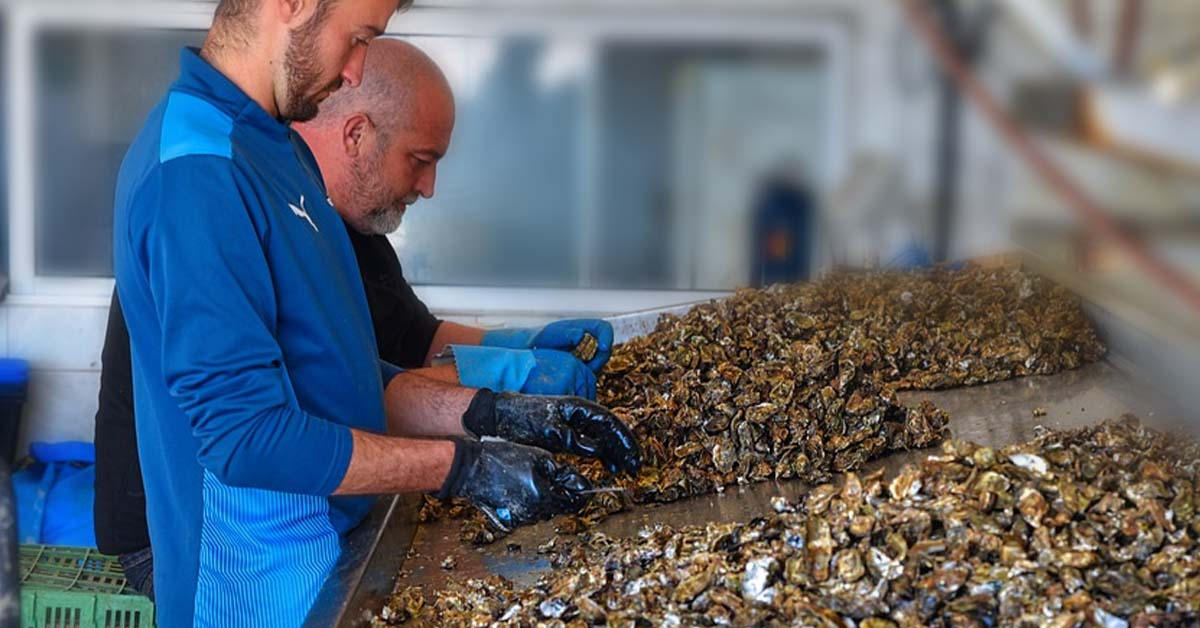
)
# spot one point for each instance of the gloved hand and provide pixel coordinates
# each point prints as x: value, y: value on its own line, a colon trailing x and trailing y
x: 513, y: 484
x: 557, y: 424
x: 535, y: 372
x: 559, y: 373
x: 561, y: 335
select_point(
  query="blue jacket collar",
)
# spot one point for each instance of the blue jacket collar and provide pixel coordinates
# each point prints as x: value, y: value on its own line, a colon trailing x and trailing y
x: 200, y: 78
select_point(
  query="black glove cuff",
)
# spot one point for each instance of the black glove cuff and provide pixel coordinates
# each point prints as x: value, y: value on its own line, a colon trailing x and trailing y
x: 466, y: 452
x: 480, y: 418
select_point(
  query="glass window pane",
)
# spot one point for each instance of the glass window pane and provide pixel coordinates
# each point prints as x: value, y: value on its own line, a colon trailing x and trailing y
x: 687, y: 134
x: 94, y: 90
x: 507, y: 206
x: 614, y: 164
x: 645, y: 156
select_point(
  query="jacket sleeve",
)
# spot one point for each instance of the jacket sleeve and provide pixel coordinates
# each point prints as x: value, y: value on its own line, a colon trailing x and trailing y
x: 215, y: 301
x: 388, y: 372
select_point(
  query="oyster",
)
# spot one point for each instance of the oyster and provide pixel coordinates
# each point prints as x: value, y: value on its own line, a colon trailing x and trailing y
x: 799, y: 381
x: 587, y: 348
x: 1112, y: 564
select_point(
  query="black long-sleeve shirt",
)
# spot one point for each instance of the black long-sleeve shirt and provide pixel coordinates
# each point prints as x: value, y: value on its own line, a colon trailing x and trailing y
x: 404, y: 331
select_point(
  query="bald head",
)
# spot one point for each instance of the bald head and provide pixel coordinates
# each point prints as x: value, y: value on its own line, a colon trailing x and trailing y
x: 401, y: 85
x: 378, y: 144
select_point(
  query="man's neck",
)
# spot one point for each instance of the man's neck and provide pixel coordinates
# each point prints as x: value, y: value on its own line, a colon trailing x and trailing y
x: 248, y: 67
x: 323, y: 140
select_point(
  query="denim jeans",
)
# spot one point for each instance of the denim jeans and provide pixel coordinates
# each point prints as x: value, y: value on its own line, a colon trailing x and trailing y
x: 139, y: 571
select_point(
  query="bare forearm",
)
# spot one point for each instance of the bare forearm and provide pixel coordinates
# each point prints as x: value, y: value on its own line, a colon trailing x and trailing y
x: 422, y: 407
x: 452, y: 334
x: 384, y: 464
x: 446, y: 373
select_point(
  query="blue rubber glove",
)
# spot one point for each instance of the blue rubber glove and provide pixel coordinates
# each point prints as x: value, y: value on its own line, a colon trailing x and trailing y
x: 532, y: 371
x: 560, y: 335
x: 559, y: 374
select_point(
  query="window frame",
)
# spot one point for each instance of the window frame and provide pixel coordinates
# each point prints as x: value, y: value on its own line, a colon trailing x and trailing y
x: 814, y: 23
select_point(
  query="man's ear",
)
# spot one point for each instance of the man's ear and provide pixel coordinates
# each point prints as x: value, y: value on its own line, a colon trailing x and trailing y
x: 357, y: 133
x: 293, y: 12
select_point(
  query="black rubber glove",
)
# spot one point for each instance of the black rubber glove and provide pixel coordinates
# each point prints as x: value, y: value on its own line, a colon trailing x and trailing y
x: 558, y: 424
x: 513, y: 484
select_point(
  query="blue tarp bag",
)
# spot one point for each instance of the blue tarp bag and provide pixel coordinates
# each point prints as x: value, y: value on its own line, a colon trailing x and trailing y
x: 55, y: 495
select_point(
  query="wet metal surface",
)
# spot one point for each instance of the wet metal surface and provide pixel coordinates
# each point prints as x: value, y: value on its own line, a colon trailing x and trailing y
x: 995, y: 415
x: 366, y: 572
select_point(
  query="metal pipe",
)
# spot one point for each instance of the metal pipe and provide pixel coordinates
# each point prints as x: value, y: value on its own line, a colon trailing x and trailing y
x: 1081, y: 18
x: 967, y: 33
x: 946, y: 150
x: 1128, y: 34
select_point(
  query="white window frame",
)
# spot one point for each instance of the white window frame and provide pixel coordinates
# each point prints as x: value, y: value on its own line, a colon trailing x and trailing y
x: 825, y: 24
x: 24, y: 20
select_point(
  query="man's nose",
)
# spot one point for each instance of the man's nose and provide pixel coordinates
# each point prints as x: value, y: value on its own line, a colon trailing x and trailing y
x: 425, y: 186
x: 352, y: 72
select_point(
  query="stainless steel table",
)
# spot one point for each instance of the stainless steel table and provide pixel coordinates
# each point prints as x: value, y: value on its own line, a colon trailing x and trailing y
x: 997, y: 414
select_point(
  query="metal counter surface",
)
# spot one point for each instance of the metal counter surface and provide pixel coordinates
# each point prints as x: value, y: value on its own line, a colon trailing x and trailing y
x: 996, y: 414
x: 375, y: 551
x: 366, y: 573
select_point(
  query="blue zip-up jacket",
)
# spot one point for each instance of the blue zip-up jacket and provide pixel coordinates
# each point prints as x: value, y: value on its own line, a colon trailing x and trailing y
x: 253, y: 356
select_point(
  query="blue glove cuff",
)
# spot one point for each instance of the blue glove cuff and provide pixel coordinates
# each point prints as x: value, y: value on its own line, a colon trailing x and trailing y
x: 510, y: 338
x: 492, y: 367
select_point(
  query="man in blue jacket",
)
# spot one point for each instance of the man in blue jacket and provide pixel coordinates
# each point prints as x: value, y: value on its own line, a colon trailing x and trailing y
x: 378, y: 146
x: 262, y: 418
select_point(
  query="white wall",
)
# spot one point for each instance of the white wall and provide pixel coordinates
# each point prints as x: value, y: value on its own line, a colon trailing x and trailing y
x: 62, y: 344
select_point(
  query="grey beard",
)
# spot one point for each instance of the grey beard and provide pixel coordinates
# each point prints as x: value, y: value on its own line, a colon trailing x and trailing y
x: 383, y: 222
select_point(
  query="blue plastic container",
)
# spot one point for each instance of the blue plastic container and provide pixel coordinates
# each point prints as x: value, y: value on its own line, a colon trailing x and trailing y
x: 14, y: 382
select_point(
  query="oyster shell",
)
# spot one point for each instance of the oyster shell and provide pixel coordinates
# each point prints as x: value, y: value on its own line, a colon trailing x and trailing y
x: 1112, y: 564
x: 799, y: 381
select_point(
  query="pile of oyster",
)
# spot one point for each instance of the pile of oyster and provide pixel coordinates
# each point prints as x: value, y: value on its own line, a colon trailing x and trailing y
x: 1095, y: 526
x: 800, y: 381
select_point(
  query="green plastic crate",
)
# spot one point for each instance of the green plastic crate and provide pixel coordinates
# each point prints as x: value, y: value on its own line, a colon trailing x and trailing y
x: 77, y: 587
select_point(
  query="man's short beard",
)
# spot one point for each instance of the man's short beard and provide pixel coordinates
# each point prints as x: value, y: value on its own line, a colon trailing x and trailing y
x: 382, y: 214
x: 303, y: 68
x: 383, y: 221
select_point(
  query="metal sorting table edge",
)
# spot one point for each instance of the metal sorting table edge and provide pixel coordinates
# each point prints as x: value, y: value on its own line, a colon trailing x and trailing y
x: 366, y: 572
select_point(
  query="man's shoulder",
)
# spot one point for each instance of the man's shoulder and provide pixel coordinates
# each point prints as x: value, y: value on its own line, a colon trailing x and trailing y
x: 193, y: 127
x: 183, y: 130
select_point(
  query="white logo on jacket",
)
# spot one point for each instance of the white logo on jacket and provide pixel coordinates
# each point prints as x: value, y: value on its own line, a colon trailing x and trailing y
x: 302, y: 212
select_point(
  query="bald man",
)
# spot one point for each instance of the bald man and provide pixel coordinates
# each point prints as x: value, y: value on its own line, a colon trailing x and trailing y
x: 377, y: 146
